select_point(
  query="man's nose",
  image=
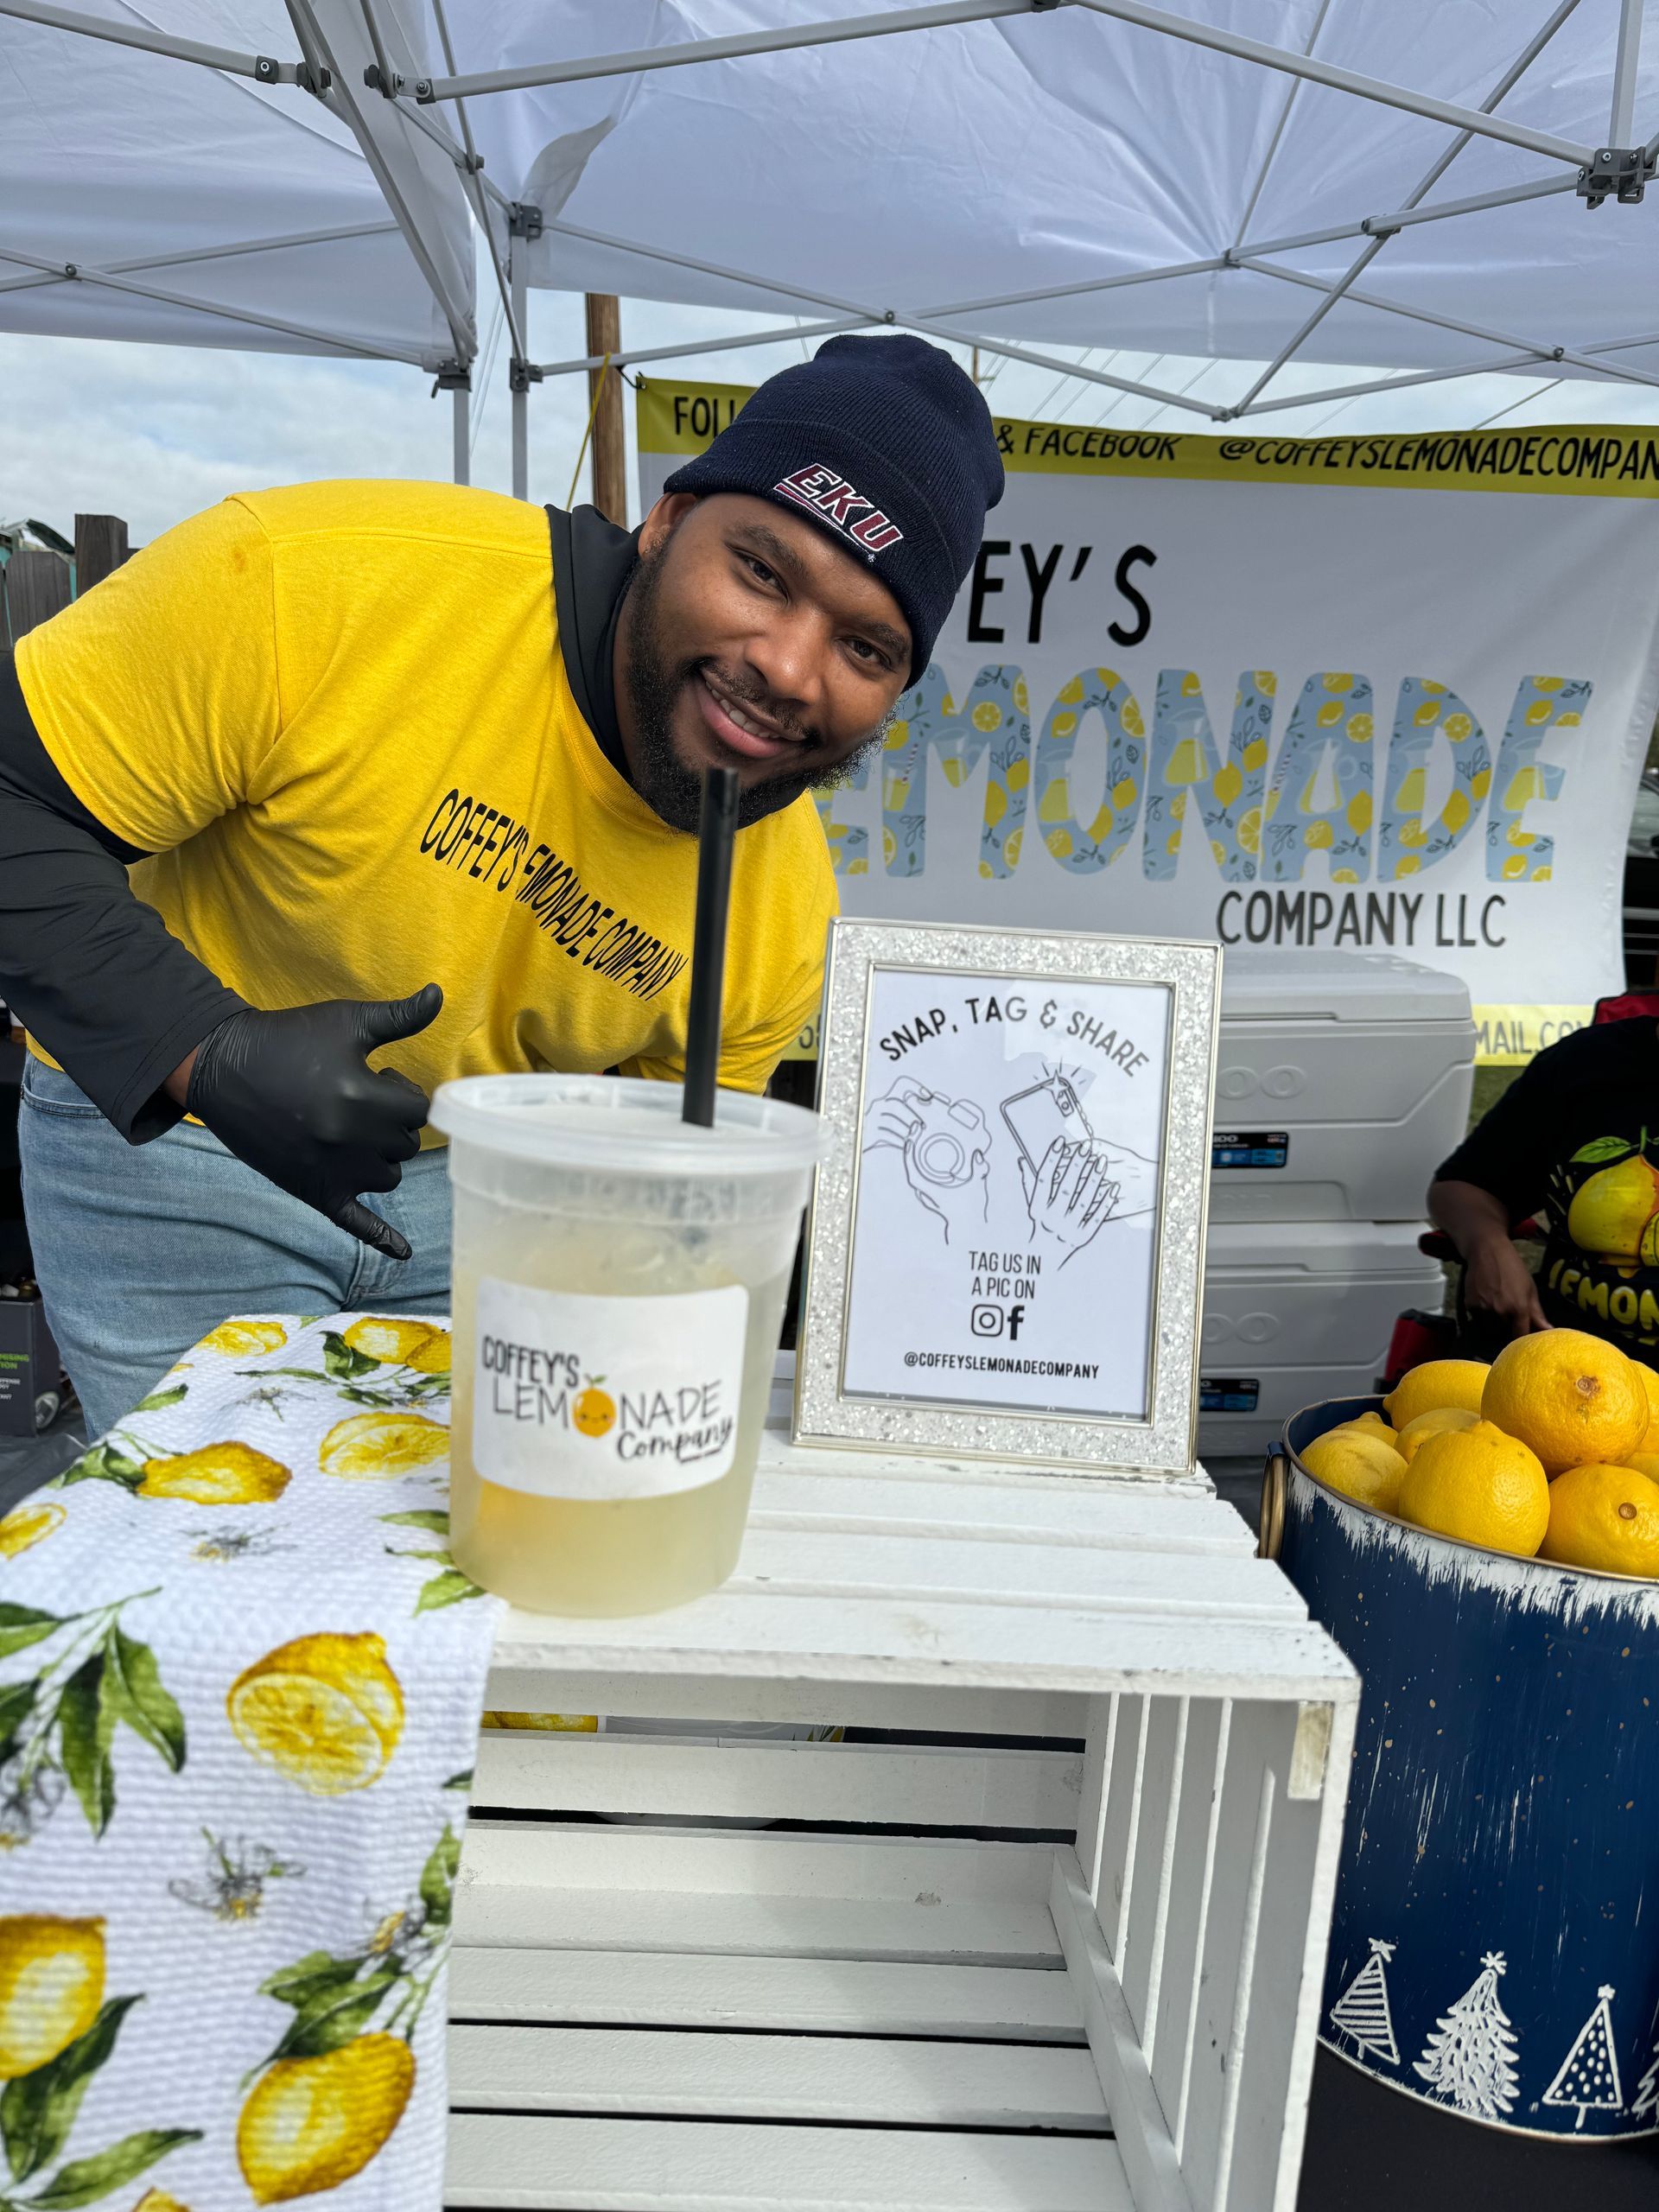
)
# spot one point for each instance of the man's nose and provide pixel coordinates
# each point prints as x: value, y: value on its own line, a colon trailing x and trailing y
x: 787, y: 657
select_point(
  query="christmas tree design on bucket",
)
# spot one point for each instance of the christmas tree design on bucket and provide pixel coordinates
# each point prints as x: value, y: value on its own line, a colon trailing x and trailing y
x: 1469, y: 2059
x: 1589, y: 2074
x: 1363, y: 2013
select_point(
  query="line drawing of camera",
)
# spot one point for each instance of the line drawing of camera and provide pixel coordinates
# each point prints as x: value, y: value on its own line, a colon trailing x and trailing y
x: 950, y: 1139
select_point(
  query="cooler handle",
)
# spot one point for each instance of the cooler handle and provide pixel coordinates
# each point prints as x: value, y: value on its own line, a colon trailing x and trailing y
x: 1276, y: 1477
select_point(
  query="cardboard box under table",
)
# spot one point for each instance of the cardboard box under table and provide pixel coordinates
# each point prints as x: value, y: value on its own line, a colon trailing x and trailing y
x: 1076, y: 1975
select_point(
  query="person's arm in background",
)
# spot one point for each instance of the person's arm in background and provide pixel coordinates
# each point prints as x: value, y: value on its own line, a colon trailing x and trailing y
x: 1498, y: 1176
x: 134, y: 719
x: 1495, y: 1275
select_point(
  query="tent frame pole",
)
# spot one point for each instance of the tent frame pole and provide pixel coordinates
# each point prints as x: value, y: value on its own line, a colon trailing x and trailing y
x: 1341, y: 80
x: 1505, y: 84
x: 1539, y: 353
x: 782, y: 39
x: 632, y: 357
x: 965, y: 11
x: 519, y: 385
x: 891, y: 319
x: 1621, y: 120
x: 203, y: 253
x: 78, y: 272
x: 261, y: 67
x: 1401, y: 383
x: 463, y: 422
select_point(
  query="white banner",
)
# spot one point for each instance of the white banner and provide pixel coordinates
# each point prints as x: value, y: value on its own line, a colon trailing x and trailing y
x: 1370, y: 694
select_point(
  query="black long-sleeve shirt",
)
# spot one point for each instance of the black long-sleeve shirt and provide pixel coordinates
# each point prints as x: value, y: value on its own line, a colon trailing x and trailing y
x: 94, y: 973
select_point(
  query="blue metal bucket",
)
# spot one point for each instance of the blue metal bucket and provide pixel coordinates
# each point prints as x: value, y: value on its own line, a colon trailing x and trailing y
x: 1494, y: 1950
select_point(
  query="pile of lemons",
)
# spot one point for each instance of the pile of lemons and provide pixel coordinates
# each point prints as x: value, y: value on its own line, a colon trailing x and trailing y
x: 1551, y: 1453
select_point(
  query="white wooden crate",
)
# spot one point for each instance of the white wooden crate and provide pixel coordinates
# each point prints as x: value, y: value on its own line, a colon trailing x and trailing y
x: 958, y: 1977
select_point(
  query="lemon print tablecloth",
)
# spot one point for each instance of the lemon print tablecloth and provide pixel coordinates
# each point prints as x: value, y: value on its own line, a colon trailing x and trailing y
x: 240, y: 1684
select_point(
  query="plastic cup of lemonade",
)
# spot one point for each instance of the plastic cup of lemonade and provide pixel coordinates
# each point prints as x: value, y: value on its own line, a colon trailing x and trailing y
x: 619, y: 1286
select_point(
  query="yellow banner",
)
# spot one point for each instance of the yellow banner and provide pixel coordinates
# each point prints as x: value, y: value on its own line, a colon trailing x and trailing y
x: 1620, y: 460
x: 1507, y: 1035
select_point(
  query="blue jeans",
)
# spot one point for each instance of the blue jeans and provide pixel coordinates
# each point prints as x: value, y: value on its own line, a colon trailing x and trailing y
x: 140, y: 1251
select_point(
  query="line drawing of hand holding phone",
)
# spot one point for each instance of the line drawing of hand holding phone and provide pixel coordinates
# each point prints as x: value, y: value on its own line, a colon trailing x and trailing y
x: 1049, y: 1112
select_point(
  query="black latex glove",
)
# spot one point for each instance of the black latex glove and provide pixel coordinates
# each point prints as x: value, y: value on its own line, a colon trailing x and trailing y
x: 289, y: 1094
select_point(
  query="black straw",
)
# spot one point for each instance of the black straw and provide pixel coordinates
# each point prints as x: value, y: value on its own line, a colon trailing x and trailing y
x: 715, y: 831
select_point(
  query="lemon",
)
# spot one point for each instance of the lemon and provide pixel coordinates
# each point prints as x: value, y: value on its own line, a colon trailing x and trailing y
x: 1480, y: 1485
x: 246, y: 1339
x: 1644, y: 1376
x: 51, y: 1987
x: 369, y: 1447
x: 310, y: 2124
x: 1645, y: 1463
x: 1576, y: 1400
x: 157, y: 2200
x: 380, y: 1338
x: 1611, y: 1208
x: 1435, y: 1422
x: 28, y: 1524
x: 326, y: 1711
x: 432, y: 1356
x: 1436, y: 1383
x: 1361, y: 1465
x: 1367, y: 1425
x: 216, y: 1474
x: 1606, y: 1518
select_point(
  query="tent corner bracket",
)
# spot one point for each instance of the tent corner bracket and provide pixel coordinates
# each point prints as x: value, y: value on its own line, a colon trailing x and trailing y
x: 521, y: 374
x: 524, y: 219
x: 1620, y: 173
x: 453, y: 376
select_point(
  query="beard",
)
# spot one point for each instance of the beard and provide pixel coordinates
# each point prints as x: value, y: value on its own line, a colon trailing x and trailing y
x: 655, y: 683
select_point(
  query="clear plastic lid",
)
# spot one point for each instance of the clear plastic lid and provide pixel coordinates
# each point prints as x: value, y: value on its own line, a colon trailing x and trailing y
x: 616, y: 1121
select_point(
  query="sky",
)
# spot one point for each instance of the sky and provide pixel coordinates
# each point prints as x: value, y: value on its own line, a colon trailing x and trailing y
x: 155, y: 433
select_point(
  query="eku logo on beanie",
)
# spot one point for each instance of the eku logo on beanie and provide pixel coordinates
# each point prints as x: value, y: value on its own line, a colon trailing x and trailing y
x: 825, y: 492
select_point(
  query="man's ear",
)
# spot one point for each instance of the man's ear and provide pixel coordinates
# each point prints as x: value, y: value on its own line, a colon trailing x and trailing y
x: 665, y: 519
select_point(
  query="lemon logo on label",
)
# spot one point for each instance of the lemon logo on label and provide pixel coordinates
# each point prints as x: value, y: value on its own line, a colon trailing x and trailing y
x: 596, y: 1411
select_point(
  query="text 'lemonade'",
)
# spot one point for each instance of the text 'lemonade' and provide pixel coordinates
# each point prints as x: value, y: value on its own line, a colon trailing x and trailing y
x: 619, y: 1284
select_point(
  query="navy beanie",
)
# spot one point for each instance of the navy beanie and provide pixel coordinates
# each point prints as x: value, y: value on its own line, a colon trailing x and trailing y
x: 888, y: 446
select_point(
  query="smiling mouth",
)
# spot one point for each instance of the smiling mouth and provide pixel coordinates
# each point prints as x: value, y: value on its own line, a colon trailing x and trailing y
x: 736, y: 725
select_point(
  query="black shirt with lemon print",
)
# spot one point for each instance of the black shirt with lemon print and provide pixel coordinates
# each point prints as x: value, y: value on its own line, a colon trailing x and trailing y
x: 1575, y: 1141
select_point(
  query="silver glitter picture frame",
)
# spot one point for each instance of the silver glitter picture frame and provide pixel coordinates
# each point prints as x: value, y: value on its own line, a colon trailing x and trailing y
x: 1161, y: 1442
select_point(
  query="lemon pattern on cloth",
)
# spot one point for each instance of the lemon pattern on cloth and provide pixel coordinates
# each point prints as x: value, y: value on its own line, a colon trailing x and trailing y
x: 1320, y: 800
x: 1084, y: 850
x: 1514, y: 853
x: 932, y: 734
x: 1427, y: 712
x: 235, y: 1618
x: 1189, y: 785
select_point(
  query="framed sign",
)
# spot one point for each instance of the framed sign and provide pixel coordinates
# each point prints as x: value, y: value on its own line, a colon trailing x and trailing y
x: 1006, y: 1252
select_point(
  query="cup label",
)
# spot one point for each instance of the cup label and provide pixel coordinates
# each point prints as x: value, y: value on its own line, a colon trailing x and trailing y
x: 595, y: 1398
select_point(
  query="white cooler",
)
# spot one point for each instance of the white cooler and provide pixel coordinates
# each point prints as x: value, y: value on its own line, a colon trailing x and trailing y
x: 1342, y: 1082
x: 1297, y: 1311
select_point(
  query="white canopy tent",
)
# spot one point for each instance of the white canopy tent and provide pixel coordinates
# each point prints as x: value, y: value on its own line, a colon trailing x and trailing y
x: 1009, y: 172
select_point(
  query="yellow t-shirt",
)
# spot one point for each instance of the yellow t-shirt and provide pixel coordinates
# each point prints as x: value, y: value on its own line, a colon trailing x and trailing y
x: 338, y: 718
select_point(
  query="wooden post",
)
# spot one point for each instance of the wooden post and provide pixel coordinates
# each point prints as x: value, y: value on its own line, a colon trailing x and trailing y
x: 608, y: 447
x: 100, y: 547
x: 37, y: 587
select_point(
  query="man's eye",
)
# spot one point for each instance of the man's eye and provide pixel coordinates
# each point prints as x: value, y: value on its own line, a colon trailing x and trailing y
x: 871, y: 655
x: 763, y: 573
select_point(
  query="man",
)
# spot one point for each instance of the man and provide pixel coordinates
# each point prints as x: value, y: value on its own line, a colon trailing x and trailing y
x: 1576, y: 1133
x: 393, y: 777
